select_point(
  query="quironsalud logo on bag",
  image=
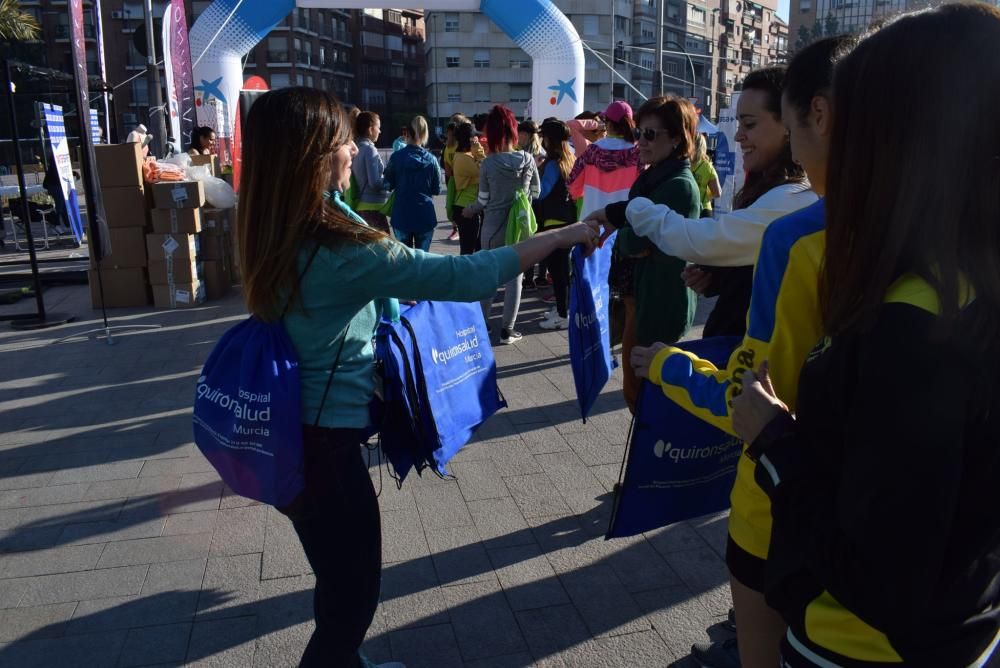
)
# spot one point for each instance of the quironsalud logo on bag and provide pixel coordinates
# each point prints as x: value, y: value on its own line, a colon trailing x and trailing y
x: 468, y: 344
x: 241, y: 408
x: 588, y: 319
x: 661, y: 450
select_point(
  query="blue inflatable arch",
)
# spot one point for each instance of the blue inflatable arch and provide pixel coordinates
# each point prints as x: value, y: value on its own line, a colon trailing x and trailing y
x: 227, y: 30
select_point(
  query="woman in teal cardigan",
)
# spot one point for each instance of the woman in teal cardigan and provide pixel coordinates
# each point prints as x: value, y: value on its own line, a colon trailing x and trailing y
x: 664, y: 306
x: 309, y: 260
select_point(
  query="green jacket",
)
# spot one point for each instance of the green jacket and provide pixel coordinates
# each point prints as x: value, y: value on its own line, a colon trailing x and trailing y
x: 664, y: 305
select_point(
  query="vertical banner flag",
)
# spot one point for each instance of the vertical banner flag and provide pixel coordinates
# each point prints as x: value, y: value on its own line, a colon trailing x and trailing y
x: 590, y: 324
x: 95, y: 128
x: 55, y: 127
x: 677, y: 466
x: 177, y: 69
x: 100, y: 243
x: 728, y: 158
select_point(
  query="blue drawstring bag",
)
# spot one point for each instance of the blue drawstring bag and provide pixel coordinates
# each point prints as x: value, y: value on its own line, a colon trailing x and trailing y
x: 677, y: 466
x: 589, y: 323
x: 248, y: 410
x: 439, y: 383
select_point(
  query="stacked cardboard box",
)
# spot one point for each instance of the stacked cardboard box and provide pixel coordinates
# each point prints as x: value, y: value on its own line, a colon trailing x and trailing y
x: 217, y: 252
x: 174, y: 269
x: 123, y: 271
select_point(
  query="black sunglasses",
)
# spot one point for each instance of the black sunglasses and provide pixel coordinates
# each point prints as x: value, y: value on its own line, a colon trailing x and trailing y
x: 648, y: 135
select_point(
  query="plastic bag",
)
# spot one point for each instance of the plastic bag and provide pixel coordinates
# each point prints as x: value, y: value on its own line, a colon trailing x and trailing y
x: 219, y: 194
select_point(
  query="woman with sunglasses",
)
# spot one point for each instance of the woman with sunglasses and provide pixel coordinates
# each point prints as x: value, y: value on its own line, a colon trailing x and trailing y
x: 727, y: 246
x: 309, y: 260
x: 663, y: 307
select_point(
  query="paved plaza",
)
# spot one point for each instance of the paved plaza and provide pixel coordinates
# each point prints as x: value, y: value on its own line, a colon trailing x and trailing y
x: 120, y: 546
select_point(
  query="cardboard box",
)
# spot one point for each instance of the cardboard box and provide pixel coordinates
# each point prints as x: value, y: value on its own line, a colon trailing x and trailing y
x: 217, y: 279
x: 178, y: 195
x: 216, y: 247
x: 180, y: 295
x: 215, y: 221
x: 181, y: 270
x: 176, y: 221
x: 119, y: 165
x: 211, y: 160
x: 128, y: 249
x: 180, y: 246
x: 125, y: 206
x: 122, y: 287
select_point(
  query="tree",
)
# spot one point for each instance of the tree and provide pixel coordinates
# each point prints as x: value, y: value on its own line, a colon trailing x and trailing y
x: 832, y: 26
x: 17, y: 25
x: 804, y: 39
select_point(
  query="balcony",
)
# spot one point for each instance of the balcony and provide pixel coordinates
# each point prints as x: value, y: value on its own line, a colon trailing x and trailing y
x: 412, y: 32
x: 375, y: 52
x: 280, y: 57
x: 303, y: 58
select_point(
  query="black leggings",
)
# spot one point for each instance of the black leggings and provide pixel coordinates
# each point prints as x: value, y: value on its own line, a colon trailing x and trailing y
x: 558, y: 265
x: 337, y: 520
x: 469, y: 230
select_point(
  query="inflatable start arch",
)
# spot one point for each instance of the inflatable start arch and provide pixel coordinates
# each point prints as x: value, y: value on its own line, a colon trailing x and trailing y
x: 228, y: 29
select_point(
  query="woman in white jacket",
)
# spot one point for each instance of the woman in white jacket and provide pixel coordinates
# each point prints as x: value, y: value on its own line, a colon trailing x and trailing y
x: 725, y: 248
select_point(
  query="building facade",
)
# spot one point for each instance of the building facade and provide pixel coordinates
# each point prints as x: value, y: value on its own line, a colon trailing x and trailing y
x: 709, y: 45
x: 368, y: 58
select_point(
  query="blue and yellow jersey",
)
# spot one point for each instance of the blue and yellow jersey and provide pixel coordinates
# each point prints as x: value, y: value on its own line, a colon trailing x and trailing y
x: 783, y: 325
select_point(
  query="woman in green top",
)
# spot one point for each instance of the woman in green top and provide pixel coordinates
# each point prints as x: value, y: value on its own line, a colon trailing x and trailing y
x: 706, y: 176
x: 664, y: 307
x: 305, y: 250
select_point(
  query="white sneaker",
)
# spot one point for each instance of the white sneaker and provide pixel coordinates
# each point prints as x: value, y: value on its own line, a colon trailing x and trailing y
x: 554, y: 322
x: 551, y: 313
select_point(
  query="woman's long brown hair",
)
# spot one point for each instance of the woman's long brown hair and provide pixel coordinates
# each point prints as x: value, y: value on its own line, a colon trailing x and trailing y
x: 288, y: 142
x: 783, y: 170
x: 913, y: 186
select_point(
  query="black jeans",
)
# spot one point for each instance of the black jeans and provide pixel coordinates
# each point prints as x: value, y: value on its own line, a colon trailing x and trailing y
x: 558, y: 265
x: 469, y: 230
x: 337, y: 520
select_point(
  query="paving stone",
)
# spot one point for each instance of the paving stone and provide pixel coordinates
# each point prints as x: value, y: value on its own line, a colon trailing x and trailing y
x: 155, y: 645
x: 392, y: 497
x: 231, y: 499
x: 406, y: 536
x: 240, y: 531
x: 40, y: 621
x: 224, y: 642
x: 639, y: 566
x: 54, y: 560
x: 110, y: 531
x: 130, y: 611
x: 96, y: 473
x: 122, y: 489
x: 512, y: 458
x: 714, y: 529
x: 602, y: 601
x: 426, y: 647
x: 484, y: 623
x: 43, y: 496
x: 186, y: 523
x: 174, y: 576
x: 543, y: 439
x: 25, y: 481
x: 283, y: 555
x: 701, y: 570
x: 155, y: 550
x: 479, y: 480
x: 96, y: 650
x: 197, y: 491
x: 500, y: 523
x: 411, y: 596
x: 175, y: 467
x: 459, y: 556
x: 24, y: 539
x: 536, y: 496
x: 680, y: 537
x: 622, y: 651
x: 83, y: 585
x: 12, y: 591
x: 519, y: 660
x: 60, y: 514
x: 231, y: 586
x: 283, y: 648
x: 551, y: 630
x: 527, y: 578
x: 441, y: 506
x: 677, y: 617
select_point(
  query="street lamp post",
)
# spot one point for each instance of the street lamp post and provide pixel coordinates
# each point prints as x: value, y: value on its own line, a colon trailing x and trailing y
x: 658, y: 56
x: 153, y: 81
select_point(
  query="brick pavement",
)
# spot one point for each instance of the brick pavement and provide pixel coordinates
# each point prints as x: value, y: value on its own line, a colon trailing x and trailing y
x: 119, y: 546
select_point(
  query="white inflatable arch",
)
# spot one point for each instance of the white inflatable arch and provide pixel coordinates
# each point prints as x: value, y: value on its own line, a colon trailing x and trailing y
x: 228, y: 29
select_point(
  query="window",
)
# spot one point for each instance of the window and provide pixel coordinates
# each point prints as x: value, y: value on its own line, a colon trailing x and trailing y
x: 694, y: 45
x: 279, y: 80
x: 805, y: 5
x: 648, y: 32
x: 451, y: 22
x: 140, y: 93
x: 646, y: 61
x: 670, y: 67
x: 696, y: 15
x: 590, y: 61
x: 394, y: 43
x: 451, y: 58
x: 300, y: 80
x: 375, y: 39
x: 277, y: 49
x: 520, y: 92
x: 373, y: 97
x: 482, y: 92
x: 621, y: 26
x: 673, y: 13
x: 481, y: 58
x: 480, y: 24
x: 591, y: 25
x: 310, y: 81
x: 454, y: 93
x: 519, y: 62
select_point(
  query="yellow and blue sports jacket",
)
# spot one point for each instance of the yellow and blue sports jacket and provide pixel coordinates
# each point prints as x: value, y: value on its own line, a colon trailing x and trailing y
x: 783, y: 325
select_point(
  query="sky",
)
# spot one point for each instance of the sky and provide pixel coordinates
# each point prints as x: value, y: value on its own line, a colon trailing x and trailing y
x: 783, y: 9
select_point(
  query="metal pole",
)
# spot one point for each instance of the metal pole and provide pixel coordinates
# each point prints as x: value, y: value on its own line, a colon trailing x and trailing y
x: 658, y: 55
x: 159, y: 123
x: 23, y: 187
x: 103, y: 70
x: 611, y: 75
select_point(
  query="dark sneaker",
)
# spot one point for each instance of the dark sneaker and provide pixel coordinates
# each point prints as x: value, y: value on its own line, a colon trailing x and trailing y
x: 508, y: 336
x: 717, y: 654
x: 528, y: 284
x: 730, y: 623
